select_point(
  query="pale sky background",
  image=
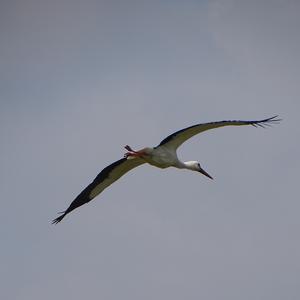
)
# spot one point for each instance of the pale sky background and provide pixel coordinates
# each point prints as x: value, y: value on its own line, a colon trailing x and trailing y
x: 81, y: 79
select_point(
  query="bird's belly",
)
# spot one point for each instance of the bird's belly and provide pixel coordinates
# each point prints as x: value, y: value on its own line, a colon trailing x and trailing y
x: 158, y: 163
x: 161, y: 159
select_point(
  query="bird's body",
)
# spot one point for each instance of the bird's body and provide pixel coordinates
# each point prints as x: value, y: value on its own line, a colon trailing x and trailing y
x: 162, y: 156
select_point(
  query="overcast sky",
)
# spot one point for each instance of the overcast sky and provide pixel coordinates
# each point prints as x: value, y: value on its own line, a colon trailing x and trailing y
x: 80, y: 79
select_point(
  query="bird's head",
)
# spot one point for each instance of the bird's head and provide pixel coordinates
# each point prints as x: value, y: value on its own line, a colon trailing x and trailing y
x: 195, y: 166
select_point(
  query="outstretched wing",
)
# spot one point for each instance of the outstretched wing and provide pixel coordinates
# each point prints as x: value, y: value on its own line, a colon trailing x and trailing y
x: 174, y: 140
x: 104, y: 179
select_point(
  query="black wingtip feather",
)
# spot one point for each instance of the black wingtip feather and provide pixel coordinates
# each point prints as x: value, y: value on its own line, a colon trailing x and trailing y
x: 58, y: 219
x: 266, y: 122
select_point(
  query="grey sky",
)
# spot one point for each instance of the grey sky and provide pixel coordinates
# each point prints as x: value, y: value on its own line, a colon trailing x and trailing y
x: 80, y: 79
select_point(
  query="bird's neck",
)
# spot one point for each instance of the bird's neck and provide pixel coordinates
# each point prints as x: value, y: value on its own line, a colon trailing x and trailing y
x: 189, y: 165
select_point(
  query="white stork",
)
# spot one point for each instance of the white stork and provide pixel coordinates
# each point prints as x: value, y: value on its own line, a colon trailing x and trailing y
x: 162, y: 156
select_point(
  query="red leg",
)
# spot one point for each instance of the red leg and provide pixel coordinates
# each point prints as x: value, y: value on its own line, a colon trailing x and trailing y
x: 133, y: 153
x: 128, y: 148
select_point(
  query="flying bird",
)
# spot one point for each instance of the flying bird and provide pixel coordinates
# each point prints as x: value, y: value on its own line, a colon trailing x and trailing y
x: 162, y: 156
